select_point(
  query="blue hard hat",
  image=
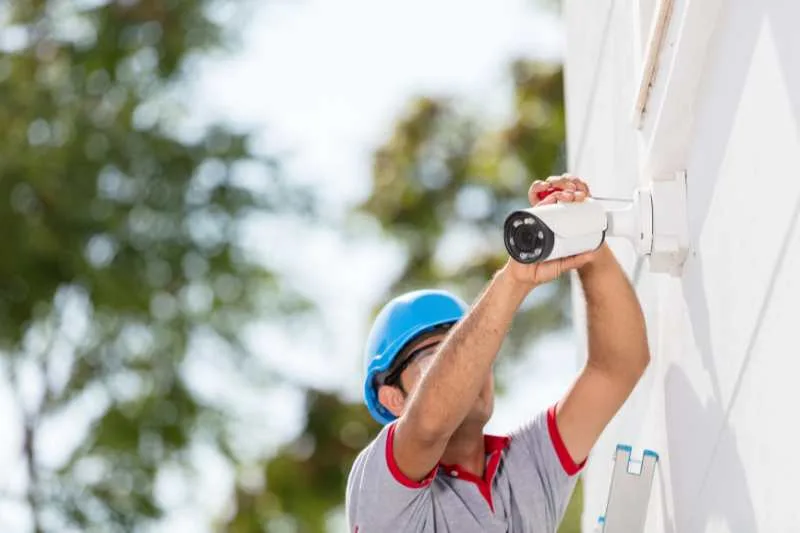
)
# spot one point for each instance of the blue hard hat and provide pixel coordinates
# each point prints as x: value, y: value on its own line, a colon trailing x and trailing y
x: 400, y: 321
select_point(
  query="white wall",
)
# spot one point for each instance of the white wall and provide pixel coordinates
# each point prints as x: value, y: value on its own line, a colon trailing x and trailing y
x: 719, y: 400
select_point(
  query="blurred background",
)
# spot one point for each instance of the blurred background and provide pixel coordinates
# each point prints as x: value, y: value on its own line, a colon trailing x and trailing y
x: 202, y: 205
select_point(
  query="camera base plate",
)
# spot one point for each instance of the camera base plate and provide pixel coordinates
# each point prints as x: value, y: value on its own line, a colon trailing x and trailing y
x: 670, y: 224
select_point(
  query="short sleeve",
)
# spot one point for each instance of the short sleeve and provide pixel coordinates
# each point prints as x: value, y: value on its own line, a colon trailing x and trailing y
x: 538, y: 449
x: 379, y: 496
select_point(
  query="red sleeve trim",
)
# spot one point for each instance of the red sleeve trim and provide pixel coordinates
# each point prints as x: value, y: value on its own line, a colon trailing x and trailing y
x: 398, y: 475
x: 567, y: 462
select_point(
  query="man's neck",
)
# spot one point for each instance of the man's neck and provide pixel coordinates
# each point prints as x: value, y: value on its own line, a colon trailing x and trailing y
x: 466, y: 449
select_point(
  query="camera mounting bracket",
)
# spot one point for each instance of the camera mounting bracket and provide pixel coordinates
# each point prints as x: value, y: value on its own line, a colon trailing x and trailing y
x: 656, y: 222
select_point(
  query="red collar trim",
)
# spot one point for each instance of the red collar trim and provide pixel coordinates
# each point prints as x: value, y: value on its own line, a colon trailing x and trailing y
x: 494, y: 445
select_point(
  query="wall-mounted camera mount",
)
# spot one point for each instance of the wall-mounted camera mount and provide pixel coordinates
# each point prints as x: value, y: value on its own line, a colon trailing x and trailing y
x: 656, y: 223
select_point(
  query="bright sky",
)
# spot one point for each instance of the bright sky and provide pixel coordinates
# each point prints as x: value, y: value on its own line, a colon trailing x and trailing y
x: 323, y: 81
x: 326, y: 78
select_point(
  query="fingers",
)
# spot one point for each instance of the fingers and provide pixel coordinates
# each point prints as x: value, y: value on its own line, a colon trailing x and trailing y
x: 569, y: 182
x: 565, y: 264
x: 562, y: 197
x: 536, y: 188
x: 549, y: 199
x: 567, y: 188
x: 575, y: 262
x: 547, y: 271
x: 569, y: 196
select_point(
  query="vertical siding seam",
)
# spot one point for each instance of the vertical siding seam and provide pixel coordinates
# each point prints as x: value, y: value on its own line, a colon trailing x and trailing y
x: 588, y: 114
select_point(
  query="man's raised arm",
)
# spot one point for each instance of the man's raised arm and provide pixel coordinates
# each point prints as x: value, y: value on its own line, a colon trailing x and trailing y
x: 618, y: 355
x: 459, y: 370
x: 451, y: 385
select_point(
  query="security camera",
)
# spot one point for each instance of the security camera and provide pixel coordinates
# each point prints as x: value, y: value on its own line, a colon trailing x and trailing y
x: 556, y: 230
x: 654, y: 220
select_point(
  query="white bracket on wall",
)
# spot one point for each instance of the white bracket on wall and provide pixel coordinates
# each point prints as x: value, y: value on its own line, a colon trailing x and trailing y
x: 670, y: 224
x: 656, y: 222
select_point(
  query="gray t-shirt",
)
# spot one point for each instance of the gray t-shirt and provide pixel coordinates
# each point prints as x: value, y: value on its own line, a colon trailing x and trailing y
x: 528, y: 480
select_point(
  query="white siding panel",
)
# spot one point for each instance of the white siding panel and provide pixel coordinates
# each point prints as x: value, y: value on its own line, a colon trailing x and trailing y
x: 751, y: 477
x: 586, y: 29
x: 740, y: 240
x: 719, y: 400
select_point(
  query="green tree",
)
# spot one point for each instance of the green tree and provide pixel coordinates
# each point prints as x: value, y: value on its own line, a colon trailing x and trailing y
x: 119, y: 251
x: 442, y: 187
x: 305, y: 480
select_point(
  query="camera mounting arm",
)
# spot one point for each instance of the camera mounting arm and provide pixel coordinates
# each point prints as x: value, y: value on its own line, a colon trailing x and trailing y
x: 656, y: 223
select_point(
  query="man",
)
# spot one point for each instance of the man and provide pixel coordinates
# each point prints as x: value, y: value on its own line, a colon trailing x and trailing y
x: 429, y: 379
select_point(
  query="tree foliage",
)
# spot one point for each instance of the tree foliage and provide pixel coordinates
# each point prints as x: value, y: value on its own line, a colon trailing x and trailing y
x: 119, y: 251
x: 121, y: 255
x: 305, y: 481
x: 443, y: 185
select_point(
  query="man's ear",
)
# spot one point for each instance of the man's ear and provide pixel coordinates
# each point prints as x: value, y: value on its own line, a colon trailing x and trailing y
x: 392, y: 398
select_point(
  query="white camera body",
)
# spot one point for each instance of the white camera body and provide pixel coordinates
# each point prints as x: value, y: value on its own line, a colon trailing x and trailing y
x: 557, y: 230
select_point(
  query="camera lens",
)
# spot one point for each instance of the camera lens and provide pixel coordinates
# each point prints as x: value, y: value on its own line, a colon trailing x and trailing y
x: 527, y: 239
